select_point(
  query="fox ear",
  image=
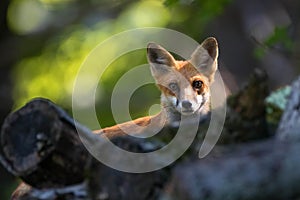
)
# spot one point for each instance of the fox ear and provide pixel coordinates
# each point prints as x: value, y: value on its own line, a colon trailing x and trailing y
x: 205, y: 57
x: 160, y: 60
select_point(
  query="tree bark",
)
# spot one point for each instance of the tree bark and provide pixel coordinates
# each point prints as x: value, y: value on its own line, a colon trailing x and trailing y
x: 108, y: 183
x: 40, y: 145
x: 289, y: 126
x: 261, y: 170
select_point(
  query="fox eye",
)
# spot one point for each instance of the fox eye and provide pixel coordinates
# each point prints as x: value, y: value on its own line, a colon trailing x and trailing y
x: 173, y: 86
x: 197, y: 84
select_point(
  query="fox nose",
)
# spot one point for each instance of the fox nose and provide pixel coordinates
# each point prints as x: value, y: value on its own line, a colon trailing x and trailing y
x: 186, y: 104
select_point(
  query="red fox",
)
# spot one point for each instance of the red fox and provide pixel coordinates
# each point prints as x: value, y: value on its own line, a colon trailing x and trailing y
x: 184, y: 85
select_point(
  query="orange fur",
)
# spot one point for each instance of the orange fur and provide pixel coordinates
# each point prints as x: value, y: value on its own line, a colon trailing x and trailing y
x: 191, y: 74
x: 124, y: 128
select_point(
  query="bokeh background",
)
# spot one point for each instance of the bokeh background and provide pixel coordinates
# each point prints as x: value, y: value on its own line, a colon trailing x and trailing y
x: 44, y: 42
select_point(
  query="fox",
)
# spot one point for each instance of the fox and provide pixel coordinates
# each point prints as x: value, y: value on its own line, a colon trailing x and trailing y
x: 184, y: 86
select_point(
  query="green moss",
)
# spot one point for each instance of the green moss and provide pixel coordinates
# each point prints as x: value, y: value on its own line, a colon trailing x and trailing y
x: 276, y: 103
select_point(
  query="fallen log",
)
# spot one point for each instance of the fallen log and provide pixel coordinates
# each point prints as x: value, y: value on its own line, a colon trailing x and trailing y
x: 74, y: 192
x: 42, y: 147
x: 261, y: 170
x: 289, y: 126
x: 107, y: 183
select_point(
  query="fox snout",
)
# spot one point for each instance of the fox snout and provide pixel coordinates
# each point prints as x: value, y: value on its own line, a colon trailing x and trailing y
x: 186, y: 104
x: 188, y: 107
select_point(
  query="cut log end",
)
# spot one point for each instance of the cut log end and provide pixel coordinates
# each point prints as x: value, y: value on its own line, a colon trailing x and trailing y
x: 29, y: 135
x: 38, y: 145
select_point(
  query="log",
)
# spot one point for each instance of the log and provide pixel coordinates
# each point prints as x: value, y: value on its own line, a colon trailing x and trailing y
x: 74, y: 192
x: 260, y: 170
x: 107, y: 183
x: 40, y: 145
x: 289, y: 126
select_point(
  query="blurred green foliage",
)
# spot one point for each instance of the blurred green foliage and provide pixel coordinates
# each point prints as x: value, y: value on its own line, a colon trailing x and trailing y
x: 192, y: 16
x: 25, y: 16
x: 279, y: 38
x: 51, y: 73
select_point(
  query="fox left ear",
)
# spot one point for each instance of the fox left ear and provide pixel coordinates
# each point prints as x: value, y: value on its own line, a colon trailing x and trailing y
x: 205, y: 57
x: 160, y: 60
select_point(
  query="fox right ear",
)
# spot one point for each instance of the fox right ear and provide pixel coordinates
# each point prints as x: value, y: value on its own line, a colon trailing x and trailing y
x: 161, y: 60
x: 205, y: 57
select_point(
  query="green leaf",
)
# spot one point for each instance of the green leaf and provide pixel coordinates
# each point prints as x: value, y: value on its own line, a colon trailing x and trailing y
x: 280, y: 36
x: 170, y: 3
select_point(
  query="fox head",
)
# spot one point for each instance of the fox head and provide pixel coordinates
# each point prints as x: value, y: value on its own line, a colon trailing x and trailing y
x: 184, y: 84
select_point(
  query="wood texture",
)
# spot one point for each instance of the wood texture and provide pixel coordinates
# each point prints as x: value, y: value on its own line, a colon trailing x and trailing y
x: 289, y: 126
x: 260, y: 170
x: 41, y: 147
